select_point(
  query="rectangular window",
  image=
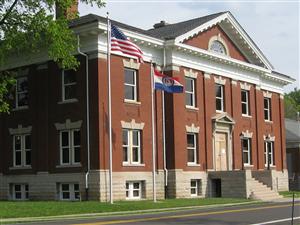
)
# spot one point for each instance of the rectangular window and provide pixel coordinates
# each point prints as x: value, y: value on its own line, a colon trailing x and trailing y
x: 195, y: 187
x: 245, y: 102
x: 134, y: 189
x: 21, y: 93
x: 20, y: 191
x: 269, y: 153
x: 267, y: 109
x: 132, y: 146
x: 130, y: 85
x: 22, y: 150
x: 246, y: 147
x: 70, y: 147
x: 190, y: 99
x: 192, y: 148
x: 68, y: 85
x: 69, y: 191
x: 219, y: 89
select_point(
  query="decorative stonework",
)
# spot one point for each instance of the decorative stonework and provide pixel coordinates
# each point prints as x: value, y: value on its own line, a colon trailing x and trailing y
x: 220, y: 80
x: 245, y: 86
x: 192, y: 128
x: 267, y: 94
x: 247, y: 134
x: 190, y: 73
x: 269, y: 138
x: 220, y: 39
x: 68, y: 125
x: 20, y: 130
x: 207, y: 75
x: 257, y: 87
x: 234, y: 82
x: 132, y: 125
x: 131, y: 64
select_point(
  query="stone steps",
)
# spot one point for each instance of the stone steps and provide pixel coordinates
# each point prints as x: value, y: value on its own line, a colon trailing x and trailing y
x: 259, y: 191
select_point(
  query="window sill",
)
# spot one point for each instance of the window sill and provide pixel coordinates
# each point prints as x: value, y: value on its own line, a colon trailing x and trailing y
x: 69, y: 166
x: 20, y: 108
x: 272, y: 167
x: 193, y: 164
x: 269, y: 121
x: 246, y: 116
x: 248, y: 166
x: 132, y: 165
x: 219, y: 111
x: 68, y: 101
x: 132, y: 102
x: 191, y: 107
x: 20, y: 168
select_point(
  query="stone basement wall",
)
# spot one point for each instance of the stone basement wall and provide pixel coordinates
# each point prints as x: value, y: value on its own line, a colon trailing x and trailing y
x: 179, y: 183
x: 119, y: 184
x: 276, y: 180
x: 43, y: 186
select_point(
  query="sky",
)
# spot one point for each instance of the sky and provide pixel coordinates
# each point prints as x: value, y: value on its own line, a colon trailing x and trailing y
x: 272, y: 25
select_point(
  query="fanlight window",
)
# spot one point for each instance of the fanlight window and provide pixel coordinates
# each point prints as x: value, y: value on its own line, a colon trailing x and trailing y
x: 218, y: 47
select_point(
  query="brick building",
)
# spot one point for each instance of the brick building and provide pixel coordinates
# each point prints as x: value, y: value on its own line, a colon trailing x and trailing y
x: 223, y: 134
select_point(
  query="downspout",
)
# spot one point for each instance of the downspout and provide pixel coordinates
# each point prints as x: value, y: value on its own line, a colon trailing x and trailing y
x: 87, y: 118
x: 164, y: 126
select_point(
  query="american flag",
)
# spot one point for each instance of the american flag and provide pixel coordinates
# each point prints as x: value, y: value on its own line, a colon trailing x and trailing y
x: 119, y: 42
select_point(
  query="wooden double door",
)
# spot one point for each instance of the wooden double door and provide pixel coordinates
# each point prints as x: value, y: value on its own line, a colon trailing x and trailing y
x: 221, y: 151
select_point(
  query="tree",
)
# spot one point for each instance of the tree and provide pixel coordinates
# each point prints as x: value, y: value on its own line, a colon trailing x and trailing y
x: 30, y: 26
x: 292, y: 104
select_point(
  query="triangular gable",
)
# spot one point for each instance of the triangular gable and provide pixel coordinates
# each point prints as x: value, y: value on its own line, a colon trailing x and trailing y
x: 223, y: 118
x: 236, y: 34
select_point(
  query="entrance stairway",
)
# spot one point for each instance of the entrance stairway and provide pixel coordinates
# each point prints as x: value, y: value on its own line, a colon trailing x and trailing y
x: 260, y: 191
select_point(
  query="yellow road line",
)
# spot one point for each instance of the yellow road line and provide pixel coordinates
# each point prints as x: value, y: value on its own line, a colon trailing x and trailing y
x: 186, y: 215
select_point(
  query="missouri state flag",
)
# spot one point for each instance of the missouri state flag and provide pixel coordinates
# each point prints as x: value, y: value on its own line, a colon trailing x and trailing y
x: 167, y: 84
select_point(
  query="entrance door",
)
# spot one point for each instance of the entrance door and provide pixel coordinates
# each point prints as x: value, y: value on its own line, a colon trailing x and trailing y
x: 221, y: 151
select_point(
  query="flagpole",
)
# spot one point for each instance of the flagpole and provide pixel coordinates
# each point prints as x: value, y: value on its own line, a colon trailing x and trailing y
x: 109, y: 110
x: 153, y: 136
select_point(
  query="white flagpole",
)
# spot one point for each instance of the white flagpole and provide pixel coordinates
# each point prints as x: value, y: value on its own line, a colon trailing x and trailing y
x: 153, y: 136
x: 109, y: 109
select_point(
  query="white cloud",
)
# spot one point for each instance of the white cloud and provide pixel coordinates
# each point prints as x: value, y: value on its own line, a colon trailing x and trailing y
x: 273, y: 26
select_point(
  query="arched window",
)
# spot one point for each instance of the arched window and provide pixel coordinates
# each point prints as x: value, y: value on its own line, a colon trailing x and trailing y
x: 217, y: 46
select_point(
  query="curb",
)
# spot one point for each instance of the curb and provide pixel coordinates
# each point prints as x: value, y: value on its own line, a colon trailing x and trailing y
x: 119, y: 213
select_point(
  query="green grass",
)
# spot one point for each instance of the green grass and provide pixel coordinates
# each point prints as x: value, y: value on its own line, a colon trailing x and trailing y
x: 289, y: 194
x: 10, y: 209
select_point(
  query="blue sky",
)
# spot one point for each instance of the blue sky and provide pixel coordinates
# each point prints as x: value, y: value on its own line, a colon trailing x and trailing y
x: 272, y: 25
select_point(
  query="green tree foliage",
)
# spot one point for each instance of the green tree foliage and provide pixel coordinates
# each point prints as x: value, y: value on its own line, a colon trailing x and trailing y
x: 28, y: 27
x: 292, y: 104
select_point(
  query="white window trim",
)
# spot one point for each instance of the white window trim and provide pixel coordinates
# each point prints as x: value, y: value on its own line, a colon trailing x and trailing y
x: 196, y: 187
x: 63, y: 89
x: 130, y: 147
x: 135, y: 98
x: 71, y: 192
x: 194, y: 148
x: 22, y: 92
x: 272, y: 163
x: 268, y: 109
x: 23, y: 151
x: 248, y: 151
x: 131, y: 189
x: 23, y: 192
x: 191, y: 92
x: 71, y: 147
x: 247, y: 103
x: 221, y: 98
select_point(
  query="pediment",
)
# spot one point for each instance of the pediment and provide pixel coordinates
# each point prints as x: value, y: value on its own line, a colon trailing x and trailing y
x: 223, y: 118
x: 237, y: 35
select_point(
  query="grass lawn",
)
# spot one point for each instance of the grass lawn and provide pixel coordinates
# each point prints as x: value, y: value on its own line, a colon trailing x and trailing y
x: 10, y: 209
x: 289, y: 194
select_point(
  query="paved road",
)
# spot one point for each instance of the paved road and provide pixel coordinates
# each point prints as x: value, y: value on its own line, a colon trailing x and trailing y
x: 266, y: 213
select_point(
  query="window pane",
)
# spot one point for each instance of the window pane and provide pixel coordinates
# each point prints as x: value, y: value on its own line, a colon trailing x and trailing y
x: 193, y: 183
x: 193, y: 191
x: 218, y: 90
x: 135, y: 155
x: 125, y: 137
x: 28, y: 157
x: 76, y: 187
x: 135, y: 137
x: 218, y: 104
x: 69, y: 76
x: 65, y: 155
x: 76, y: 137
x: 27, y: 142
x: 18, y: 195
x: 244, y: 108
x: 191, y: 156
x: 129, y: 76
x: 266, y: 105
x: 77, y: 154
x: 244, y: 96
x: 136, y: 185
x: 245, y: 157
x: 65, y: 187
x: 245, y: 144
x: 266, y: 114
x: 70, y: 92
x: 127, y: 185
x: 17, y: 142
x: 129, y: 92
x: 17, y: 187
x: 18, y: 159
x: 190, y: 140
x: 64, y: 138
x: 23, y: 99
x: 189, y: 99
x: 136, y: 193
x: 22, y: 84
x: 66, y: 195
x: 125, y: 154
x: 189, y: 84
